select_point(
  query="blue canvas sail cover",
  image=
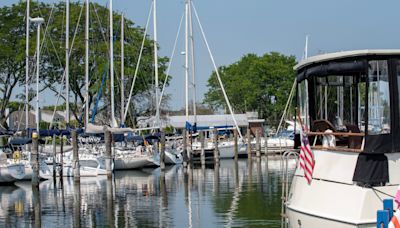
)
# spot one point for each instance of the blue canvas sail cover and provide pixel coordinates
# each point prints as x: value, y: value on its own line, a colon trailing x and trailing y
x: 58, y: 132
x: 23, y: 141
x: 195, y: 128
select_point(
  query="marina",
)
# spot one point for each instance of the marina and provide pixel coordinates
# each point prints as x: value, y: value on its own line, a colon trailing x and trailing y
x: 197, y: 197
x: 110, y: 116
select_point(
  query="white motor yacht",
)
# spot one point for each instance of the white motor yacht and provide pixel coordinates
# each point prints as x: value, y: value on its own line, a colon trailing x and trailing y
x: 349, y: 109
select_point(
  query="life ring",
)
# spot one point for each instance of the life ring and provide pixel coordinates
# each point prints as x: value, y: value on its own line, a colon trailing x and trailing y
x: 17, y: 155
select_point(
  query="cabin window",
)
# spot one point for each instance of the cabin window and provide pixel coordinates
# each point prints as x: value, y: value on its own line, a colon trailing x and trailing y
x: 303, y: 103
x: 336, y: 100
x: 378, y: 98
x: 398, y: 80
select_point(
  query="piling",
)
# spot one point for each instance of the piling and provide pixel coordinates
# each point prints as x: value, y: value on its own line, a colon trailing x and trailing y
x: 35, y: 159
x: 216, y: 152
x: 202, y: 154
x: 54, y: 157
x: 235, y: 139
x: 185, y: 156
x: 75, y: 155
x: 107, y: 139
x: 258, y: 143
x: 266, y: 146
x: 162, y: 151
x: 61, y: 157
x: 248, y: 136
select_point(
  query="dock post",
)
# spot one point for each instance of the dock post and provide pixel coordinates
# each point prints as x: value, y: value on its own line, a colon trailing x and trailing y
x: 54, y: 157
x: 236, y: 148
x: 35, y: 159
x: 185, y: 155
x: 162, y: 151
x: 75, y: 156
x: 61, y: 156
x: 248, y: 136
x: 202, y: 152
x: 107, y: 140
x: 258, y: 143
x: 216, y: 152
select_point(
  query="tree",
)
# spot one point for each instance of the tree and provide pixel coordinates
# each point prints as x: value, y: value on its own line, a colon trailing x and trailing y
x: 254, y: 83
x: 12, y: 57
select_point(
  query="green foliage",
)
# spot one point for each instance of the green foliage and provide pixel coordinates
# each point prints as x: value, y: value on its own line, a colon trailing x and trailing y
x: 12, y: 55
x: 43, y: 125
x: 254, y: 83
x: 169, y: 129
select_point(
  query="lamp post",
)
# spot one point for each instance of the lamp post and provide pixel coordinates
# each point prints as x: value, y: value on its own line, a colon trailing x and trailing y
x: 37, y: 21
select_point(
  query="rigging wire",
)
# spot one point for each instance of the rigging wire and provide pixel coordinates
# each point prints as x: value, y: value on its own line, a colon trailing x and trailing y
x: 217, y: 73
x: 171, y: 59
x: 138, y: 63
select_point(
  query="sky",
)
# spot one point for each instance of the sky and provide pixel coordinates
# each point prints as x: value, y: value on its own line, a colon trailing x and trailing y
x: 235, y: 28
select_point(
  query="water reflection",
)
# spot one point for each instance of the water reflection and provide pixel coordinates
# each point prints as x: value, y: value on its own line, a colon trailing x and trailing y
x: 233, y: 194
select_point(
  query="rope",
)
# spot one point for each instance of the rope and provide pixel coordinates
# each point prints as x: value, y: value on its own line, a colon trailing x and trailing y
x: 217, y: 74
x: 171, y: 59
x: 384, y: 193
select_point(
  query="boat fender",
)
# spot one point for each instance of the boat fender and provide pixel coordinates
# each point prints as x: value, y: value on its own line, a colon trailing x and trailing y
x: 395, y: 221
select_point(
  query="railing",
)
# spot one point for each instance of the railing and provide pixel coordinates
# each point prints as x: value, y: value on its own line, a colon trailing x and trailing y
x: 286, y: 180
x: 338, y: 134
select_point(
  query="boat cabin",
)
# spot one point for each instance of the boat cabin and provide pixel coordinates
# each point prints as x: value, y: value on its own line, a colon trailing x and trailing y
x: 352, y: 98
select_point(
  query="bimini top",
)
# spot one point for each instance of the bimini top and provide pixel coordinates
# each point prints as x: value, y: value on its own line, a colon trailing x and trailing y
x: 343, y: 55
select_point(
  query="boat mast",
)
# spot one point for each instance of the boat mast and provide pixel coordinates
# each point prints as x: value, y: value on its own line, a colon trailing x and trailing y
x: 156, y: 61
x: 112, y: 65
x: 193, y: 60
x: 38, y: 21
x: 27, y: 66
x: 67, y: 62
x: 37, y: 77
x: 87, y: 65
x: 122, y: 70
x: 187, y: 60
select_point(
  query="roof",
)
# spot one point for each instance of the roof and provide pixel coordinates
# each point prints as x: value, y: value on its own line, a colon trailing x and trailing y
x: 209, y: 120
x: 344, y: 54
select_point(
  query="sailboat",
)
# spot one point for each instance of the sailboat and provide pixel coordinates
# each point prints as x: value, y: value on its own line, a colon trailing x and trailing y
x: 226, y: 148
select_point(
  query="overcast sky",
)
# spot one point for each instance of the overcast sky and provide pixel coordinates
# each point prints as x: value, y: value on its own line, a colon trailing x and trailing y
x: 237, y: 27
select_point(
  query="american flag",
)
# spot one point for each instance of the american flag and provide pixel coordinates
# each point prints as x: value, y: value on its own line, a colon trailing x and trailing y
x: 306, y: 156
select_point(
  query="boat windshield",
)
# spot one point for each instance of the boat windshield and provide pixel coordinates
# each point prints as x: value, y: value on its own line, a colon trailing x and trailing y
x: 339, y: 102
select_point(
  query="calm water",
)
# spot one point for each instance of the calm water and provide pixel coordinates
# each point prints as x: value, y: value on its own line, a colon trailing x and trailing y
x: 245, y: 194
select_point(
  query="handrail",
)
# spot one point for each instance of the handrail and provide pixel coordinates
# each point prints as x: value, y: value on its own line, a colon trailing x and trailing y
x: 340, y: 149
x: 310, y: 133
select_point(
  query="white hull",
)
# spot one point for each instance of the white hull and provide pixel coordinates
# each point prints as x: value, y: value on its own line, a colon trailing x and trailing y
x: 132, y: 162
x: 332, y: 199
x: 44, y: 172
x: 12, y: 173
x: 84, y: 171
x: 172, y: 159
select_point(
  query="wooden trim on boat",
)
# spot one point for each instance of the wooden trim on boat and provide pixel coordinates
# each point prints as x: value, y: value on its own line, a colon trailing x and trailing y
x: 340, y: 149
x: 335, y: 134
